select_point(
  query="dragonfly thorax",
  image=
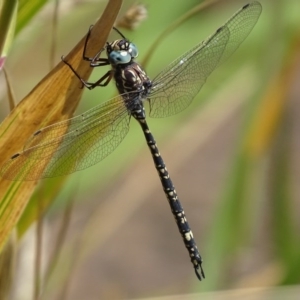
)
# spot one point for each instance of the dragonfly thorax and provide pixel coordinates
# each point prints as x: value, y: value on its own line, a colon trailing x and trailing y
x: 121, y: 52
x: 132, y: 78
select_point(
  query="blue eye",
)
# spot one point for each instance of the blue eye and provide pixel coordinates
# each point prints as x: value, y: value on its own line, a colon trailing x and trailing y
x: 119, y: 57
x: 133, y: 50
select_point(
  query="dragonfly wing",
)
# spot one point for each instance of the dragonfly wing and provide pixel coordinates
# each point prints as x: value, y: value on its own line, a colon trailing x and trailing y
x: 60, y: 149
x: 176, y: 86
x: 240, y: 26
x: 100, y: 114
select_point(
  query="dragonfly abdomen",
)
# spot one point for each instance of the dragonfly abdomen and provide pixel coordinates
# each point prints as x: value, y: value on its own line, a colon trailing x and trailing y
x: 173, y: 200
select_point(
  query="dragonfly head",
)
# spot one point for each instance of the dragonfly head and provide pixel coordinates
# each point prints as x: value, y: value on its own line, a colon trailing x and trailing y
x: 121, y: 52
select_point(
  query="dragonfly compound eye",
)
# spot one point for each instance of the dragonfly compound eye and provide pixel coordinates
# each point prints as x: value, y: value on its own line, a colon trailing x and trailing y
x: 133, y: 50
x: 119, y: 57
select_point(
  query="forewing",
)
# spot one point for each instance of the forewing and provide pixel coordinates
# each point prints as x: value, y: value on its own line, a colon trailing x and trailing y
x: 71, y: 126
x: 176, y: 86
x: 71, y: 145
x: 240, y: 25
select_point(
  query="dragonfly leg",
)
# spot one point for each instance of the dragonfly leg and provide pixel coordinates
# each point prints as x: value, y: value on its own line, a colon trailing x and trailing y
x: 96, y: 61
x: 91, y: 85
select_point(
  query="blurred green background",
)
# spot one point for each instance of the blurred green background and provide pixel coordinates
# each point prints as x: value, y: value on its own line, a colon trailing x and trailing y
x: 233, y: 156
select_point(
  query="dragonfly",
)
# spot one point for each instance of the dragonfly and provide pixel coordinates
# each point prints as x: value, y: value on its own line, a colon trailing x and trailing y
x: 86, y: 139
